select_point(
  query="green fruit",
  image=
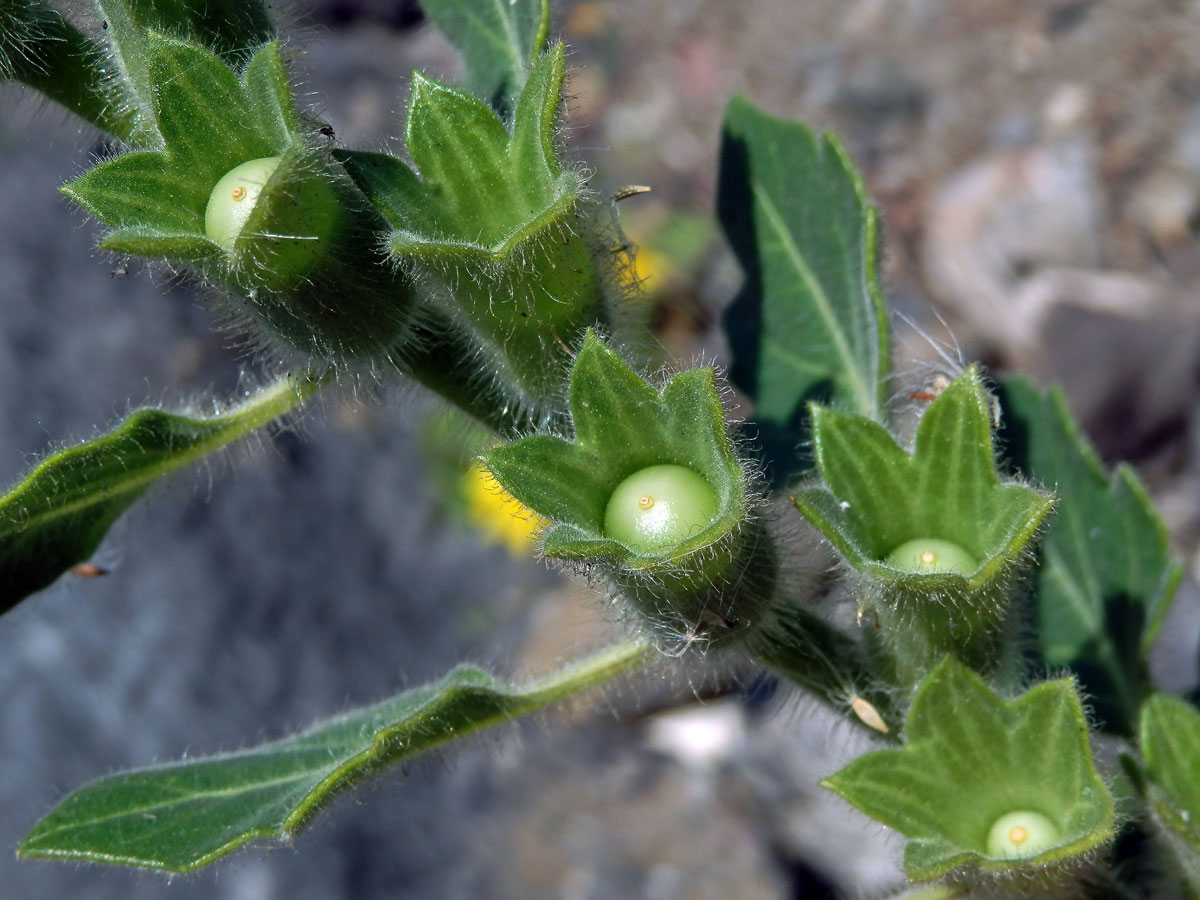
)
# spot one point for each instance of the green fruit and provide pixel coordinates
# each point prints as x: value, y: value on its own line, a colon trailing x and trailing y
x: 234, y: 197
x: 927, y: 556
x: 658, y: 507
x: 1021, y: 834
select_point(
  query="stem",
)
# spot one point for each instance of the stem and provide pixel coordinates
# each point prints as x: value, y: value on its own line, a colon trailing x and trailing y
x: 598, y: 668
x: 810, y: 652
x: 532, y: 317
x: 441, y: 358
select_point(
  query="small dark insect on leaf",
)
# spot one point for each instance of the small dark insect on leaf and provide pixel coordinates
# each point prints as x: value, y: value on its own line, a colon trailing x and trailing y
x: 327, y: 131
x: 630, y: 190
x: 87, y: 570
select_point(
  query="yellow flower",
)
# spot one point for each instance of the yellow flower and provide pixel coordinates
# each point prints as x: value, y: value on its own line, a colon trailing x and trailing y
x: 501, y: 518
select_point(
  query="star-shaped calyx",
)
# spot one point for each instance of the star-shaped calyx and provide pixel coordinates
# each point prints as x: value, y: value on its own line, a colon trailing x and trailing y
x: 238, y: 189
x: 985, y: 784
x: 936, y: 535
x: 650, y: 492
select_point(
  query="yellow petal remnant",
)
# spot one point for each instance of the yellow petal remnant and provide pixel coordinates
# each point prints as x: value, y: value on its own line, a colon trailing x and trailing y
x: 498, y: 515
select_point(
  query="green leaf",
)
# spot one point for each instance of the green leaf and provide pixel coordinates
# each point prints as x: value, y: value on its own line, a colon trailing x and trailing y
x: 39, y: 48
x: 180, y: 817
x: 878, y: 502
x: 1169, y: 735
x: 57, y: 516
x: 972, y: 758
x: 498, y: 39
x: 809, y: 323
x: 1107, y: 578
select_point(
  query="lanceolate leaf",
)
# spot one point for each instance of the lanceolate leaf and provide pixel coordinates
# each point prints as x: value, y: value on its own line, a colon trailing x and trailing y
x: 1107, y: 578
x: 180, y: 817
x: 57, y: 516
x: 973, y: 761
x: 498, y: 39
x: 809, y: 323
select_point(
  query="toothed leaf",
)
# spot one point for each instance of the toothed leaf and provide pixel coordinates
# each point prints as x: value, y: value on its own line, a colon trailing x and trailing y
x: 57, y: 516
x: 180, y: 817
x: 1106, y: 578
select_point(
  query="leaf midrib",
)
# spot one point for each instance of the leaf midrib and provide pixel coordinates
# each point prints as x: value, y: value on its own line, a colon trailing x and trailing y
x: 234, y: 424
x: 863, y: 395
x: 347, y: 762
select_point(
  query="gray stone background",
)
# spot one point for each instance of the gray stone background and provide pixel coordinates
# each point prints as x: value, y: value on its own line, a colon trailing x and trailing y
x: 1037, y: 165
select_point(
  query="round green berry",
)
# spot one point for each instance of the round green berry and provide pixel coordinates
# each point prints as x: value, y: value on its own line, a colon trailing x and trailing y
x: 233, y: 199
x: 1021, y: 834
x: 658, y: 507
x: 927, y: 556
